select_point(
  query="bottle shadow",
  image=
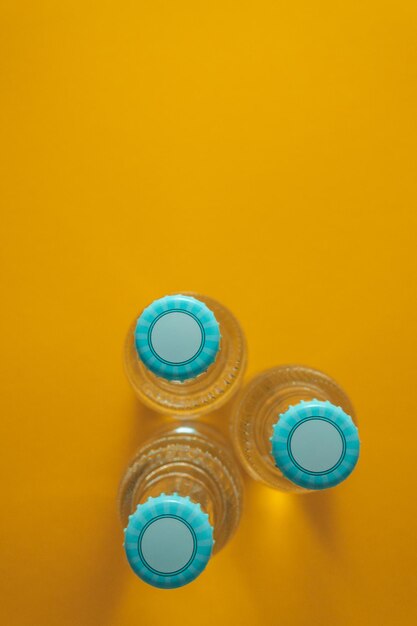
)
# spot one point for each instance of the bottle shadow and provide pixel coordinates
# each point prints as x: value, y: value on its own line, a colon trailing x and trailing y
x: 321, y: 511
x: 106, y: 577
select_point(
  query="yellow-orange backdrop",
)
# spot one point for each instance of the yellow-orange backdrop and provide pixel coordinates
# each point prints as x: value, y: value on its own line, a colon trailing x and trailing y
x: 265, y: 154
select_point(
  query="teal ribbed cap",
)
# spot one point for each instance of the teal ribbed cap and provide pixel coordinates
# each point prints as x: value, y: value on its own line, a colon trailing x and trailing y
x: 168, y: 541
x: 315, y: 444
x: 177, y: 337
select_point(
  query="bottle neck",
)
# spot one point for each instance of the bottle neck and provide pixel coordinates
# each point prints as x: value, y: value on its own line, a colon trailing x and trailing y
x: 184, y: 478
x: 193, y: 461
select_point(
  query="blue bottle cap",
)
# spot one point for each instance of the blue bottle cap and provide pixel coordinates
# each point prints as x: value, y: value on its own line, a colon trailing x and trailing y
x: 168, y: 541
x: 177, y: 337
x: 315, y: 444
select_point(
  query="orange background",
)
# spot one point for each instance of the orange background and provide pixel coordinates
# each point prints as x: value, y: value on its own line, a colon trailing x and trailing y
x: 262, y: 153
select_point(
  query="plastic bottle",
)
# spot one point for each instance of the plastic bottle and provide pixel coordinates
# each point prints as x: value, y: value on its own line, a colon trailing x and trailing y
x: 180, y: 501
x: 185, y: 355
x: 293, y: 428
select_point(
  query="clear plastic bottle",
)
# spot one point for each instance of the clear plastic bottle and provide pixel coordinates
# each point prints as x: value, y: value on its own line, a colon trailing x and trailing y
x: 293, y: 428
x: 185, y: 354
x: 180, y: 500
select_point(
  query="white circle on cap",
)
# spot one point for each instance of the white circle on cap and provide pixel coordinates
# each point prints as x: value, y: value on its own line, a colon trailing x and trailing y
x: 316, y: 445
x: 176, y: 337
x: 167, y: 545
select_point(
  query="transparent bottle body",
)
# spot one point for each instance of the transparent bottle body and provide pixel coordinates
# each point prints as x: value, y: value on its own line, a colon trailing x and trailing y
x: 191, y: 460
x: 199, y: 395
x: 257, y: 410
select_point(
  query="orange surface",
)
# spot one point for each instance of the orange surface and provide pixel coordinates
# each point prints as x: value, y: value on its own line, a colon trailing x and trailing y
x: 265, y: 154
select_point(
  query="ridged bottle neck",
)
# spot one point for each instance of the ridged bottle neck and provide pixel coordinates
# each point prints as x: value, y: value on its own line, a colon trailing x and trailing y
x: 191, y: 463
x: 182, y: 477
